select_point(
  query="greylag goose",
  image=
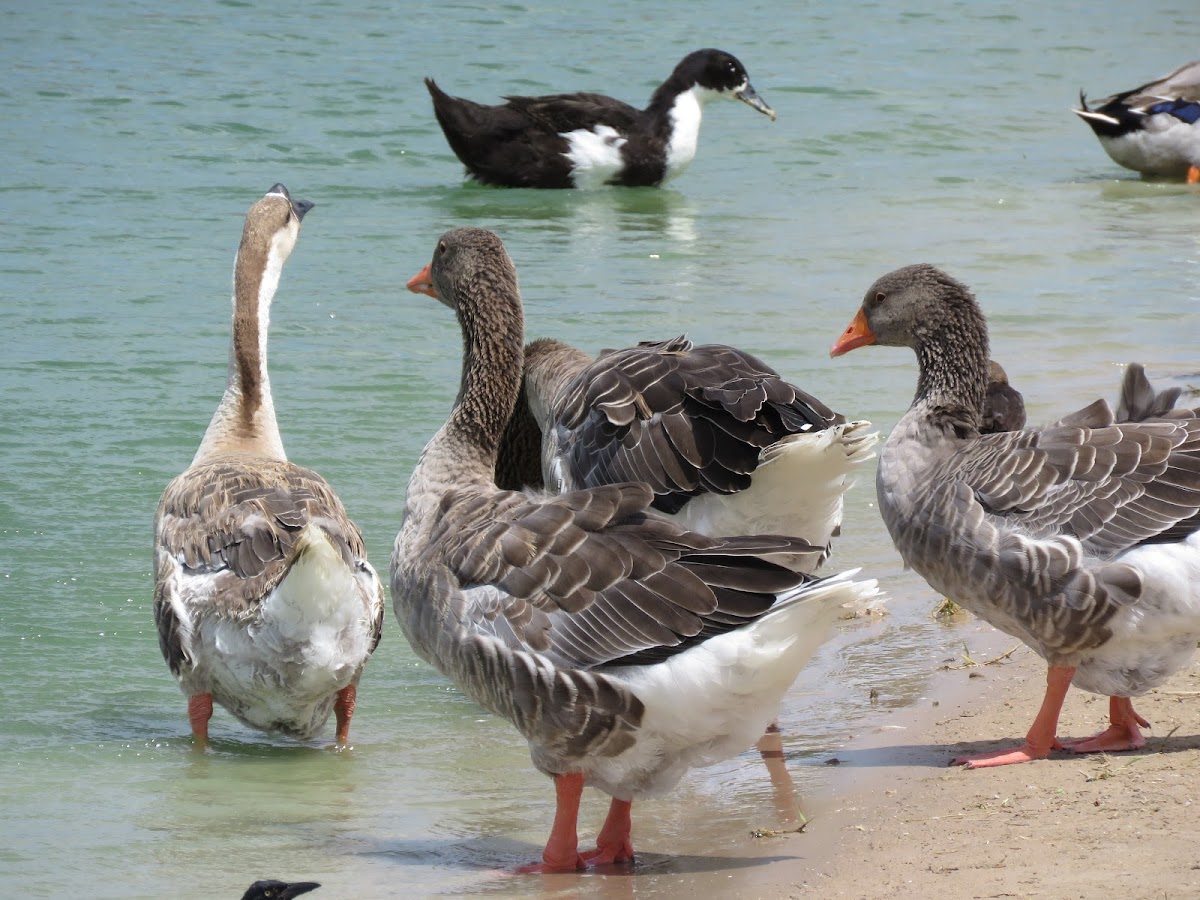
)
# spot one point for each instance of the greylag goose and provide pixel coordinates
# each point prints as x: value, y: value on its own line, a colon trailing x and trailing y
x: 624, y: 648
x: 1153, y: 128
x: 263, y: 596
x: 586, y: 140
x: 727, y: 445
x: 1080, y: 539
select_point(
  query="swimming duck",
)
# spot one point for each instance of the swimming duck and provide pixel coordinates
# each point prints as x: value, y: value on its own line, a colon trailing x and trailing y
x: 1153, y: 128
x: 727, y: 445
x: 624, y: 647
x: 263, y: 596
x: 1082, y: 540
x: 270, y: 889
x: 586, y: 140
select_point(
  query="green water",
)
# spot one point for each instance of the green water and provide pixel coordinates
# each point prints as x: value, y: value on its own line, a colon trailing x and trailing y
x: 137, y: 134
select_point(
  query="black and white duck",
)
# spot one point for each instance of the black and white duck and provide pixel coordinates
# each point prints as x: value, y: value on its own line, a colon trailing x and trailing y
x: 586, y: 140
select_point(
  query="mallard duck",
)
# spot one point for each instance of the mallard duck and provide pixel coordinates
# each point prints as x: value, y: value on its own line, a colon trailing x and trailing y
x: 1153, y: 128
x: 1081, y: 538
x: 585, y: 140
x: 263, y: 596
x: 625, y: 648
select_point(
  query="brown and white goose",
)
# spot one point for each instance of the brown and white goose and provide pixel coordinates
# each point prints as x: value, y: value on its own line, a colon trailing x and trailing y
x: 727, y: 445
x: 624, y: 648
x: 263, y: 596
x: 1081, y: 538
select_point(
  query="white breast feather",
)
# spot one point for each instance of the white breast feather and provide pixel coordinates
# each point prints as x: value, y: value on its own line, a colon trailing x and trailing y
x: 685, y: 116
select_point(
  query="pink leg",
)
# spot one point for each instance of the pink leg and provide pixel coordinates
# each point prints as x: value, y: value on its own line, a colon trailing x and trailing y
x: 1122, y: 734
x: 1042, y: 736
x: 770, y: 745
x: 614, y: 843
x: 343, y: 709
x: 200, y: 711
x: 770, y: 748
x: 562, y: 849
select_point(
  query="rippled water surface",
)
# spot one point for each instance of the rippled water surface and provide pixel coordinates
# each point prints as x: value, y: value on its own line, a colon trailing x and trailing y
x: 136, y: 136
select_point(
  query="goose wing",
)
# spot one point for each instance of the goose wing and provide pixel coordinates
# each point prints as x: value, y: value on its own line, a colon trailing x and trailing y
x: 1112, y: 487
x: 591, y: 577
x: 682, y: 419
x: 226, y: 536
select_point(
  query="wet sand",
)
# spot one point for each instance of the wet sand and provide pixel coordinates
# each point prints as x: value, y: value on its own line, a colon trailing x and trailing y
x: 901, y: 823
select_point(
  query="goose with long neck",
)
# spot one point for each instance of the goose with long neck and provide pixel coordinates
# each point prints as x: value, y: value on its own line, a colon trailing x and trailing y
x: 624, y: 648
x: 264, y: 599
x: 1081, y: 538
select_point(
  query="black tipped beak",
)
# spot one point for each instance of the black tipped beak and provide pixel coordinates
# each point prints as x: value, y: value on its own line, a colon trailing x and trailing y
x: 750, y: 96
x: 296, y: 888
x: 300, y: 207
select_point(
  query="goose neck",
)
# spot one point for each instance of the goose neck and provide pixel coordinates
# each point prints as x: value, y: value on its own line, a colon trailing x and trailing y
x: 489, y: 312
x: 953, y: 377
x: 245, y: 420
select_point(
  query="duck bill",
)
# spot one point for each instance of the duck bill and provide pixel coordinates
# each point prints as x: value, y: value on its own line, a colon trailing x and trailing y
x: 296, y: 888
x: 422, y: 283
x: 859, y: 334
x: 750, y: 96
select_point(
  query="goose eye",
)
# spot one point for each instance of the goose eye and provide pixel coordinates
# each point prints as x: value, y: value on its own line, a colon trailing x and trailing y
x: 880, y: 297
x: 441, y: 246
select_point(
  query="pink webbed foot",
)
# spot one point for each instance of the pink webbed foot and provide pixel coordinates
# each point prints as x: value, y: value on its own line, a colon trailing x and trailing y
x: 605, y: 854
x: 1024, y: 753
x: 1041, y: 737
x: 1122, y: 734
x: 562, y: 848
x: 548, y: 867
x: 614, y: 843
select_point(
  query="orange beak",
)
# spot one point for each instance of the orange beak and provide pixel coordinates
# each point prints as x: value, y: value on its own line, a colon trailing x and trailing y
x: 857, y: 335
x: 422, y: 283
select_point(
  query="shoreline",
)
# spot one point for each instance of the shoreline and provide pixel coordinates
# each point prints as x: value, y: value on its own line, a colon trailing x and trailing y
x: 899, y: 822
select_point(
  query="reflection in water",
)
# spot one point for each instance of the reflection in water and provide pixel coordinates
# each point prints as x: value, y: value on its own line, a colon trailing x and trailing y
x: 581, y: 217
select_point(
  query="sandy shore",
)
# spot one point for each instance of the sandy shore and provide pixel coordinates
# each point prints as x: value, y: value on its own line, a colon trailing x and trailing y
x: 900, y: 823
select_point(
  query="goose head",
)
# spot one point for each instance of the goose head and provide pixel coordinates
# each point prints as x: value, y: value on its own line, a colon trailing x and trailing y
x: 917, y: 306
x: 268, y: 238
x: 469, y: 266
